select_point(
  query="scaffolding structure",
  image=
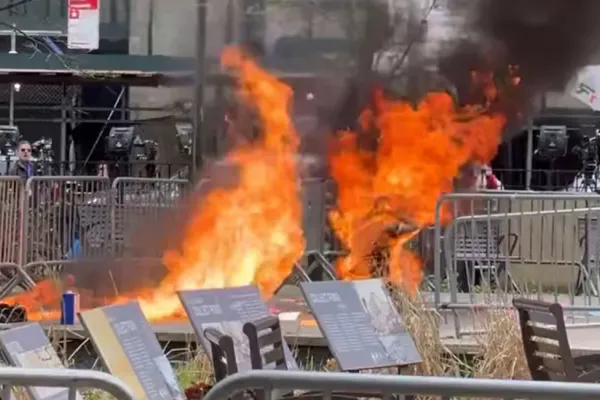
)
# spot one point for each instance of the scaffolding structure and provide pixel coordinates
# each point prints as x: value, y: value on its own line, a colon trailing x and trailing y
x: 47, y: 102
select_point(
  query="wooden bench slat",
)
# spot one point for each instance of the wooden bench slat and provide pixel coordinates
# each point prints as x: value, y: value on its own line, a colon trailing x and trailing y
x: 544, y: 332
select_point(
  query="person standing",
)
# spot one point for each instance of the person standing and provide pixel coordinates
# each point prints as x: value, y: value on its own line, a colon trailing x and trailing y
x: 487, y: 180
x: 24, y: 166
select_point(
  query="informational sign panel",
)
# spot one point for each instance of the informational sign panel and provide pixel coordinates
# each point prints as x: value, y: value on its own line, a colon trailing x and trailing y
x: 130, y: 350
x: 27, y: 346
x: 84, y: 24
x: 227, y: 310
x: 362, y: 326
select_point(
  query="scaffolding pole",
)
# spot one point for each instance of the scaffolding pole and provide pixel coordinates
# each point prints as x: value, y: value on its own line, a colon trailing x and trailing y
x: 529, y: 159
x: 63, y: 129
x: 198, y: 116
x: 11, y: 105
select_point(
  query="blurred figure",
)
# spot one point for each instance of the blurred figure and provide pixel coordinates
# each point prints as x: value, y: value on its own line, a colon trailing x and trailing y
x: 467, y: 179
x: 486, y: 179
x: 102, y: 170
x: 475, y: 177
x: 24, y: 166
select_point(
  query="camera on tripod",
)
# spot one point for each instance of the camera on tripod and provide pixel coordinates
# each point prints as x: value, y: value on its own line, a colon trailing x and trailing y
x: 41, y: 150
x: 587, y: 148
x: 43, y: 155
x: 144, y: 150
x: 587, y: 151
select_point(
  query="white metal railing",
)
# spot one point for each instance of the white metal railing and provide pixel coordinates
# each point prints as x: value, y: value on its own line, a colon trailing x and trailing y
x: 67, y: 378
x: 387, y: 386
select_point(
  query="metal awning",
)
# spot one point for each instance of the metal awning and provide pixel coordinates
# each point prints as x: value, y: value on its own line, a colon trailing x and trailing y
x: 138, y: 70
x: 110, y: 68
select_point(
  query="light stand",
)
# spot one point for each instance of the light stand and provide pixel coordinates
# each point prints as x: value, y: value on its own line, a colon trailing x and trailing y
x: 185, y: 142
x: 118, y: 148
x: 9, y: 138
x: 552, y: 144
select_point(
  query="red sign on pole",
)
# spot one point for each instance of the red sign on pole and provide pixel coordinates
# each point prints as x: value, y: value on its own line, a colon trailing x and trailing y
x: 84, y: 24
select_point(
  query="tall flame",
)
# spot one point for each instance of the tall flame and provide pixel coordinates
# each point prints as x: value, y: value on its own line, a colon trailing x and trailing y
x: 386, y: 196
x: 250, y: 232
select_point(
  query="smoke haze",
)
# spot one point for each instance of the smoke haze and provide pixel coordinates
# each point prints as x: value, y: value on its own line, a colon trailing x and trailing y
x: 548, y: 39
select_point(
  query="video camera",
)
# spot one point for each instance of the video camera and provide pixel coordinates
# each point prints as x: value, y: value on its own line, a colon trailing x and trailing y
x: 42, y: 149
x: 144, y: 150
x: 43, y: 155
x: 587, y: 148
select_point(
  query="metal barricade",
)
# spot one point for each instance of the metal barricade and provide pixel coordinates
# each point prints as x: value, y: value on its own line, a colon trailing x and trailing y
x: 11, y: 276
x: 502, y: 244
x: 11, y: 377
x: 386, y: 386
x: 11, y: 206
x: 63, y: 221
x: 142, y: 205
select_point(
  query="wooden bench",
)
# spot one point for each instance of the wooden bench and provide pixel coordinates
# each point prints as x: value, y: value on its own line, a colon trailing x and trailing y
x: 222, y: 353
x: 546, y: 345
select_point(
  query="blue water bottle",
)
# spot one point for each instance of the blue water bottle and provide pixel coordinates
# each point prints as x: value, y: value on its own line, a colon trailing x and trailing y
x: 69, y: 308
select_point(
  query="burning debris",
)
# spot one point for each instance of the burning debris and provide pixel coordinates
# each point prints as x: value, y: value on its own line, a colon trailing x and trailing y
x: 420, y: 152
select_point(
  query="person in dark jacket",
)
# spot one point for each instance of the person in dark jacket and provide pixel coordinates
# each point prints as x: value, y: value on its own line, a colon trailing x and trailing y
x: 23, y: 167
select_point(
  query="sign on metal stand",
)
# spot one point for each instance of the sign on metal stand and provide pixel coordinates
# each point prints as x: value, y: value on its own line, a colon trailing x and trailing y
x: 362, y: 326
x: 27, y: 346
x: 227, y: 310
x: 130, y: 350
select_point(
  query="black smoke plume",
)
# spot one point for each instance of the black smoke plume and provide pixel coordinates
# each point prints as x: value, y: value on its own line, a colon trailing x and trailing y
x: 548, y: 39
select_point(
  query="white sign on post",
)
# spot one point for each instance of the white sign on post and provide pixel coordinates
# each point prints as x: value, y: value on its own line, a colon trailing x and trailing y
x: 585, y: 87
x: 84, y: 24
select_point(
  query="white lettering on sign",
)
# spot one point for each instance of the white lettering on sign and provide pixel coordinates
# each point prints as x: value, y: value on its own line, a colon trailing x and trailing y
x: 125, y: 327
x: 207, y: 309
x: 325, y: 297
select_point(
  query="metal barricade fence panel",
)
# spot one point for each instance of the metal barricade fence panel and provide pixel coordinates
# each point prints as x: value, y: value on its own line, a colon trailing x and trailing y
x: 500, y: 244
x: 386, y: 386
x: 66, y: 218
x: 11, y: 206
x: 142, y: 205
x: 11, y: 377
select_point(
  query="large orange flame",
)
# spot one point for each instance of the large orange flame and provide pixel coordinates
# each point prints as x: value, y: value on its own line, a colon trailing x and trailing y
x: 386, y: 196
x: 248, y: 233
x: 251, y: 233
